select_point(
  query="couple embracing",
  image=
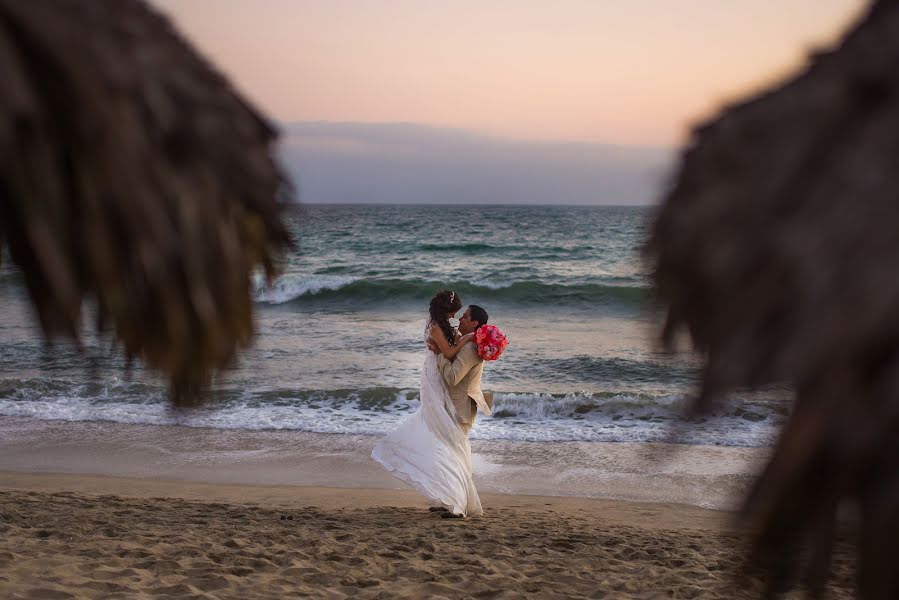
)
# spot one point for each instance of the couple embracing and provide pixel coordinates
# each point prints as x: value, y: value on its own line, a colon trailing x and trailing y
x: 430, y: 449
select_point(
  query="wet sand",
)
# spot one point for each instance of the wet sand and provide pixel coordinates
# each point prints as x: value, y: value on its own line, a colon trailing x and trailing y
x: 707, y: 476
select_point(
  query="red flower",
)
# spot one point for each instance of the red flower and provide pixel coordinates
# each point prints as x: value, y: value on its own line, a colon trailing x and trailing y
x: 491, y: 342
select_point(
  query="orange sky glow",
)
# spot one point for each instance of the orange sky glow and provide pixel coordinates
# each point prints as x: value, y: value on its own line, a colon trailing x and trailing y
x: 637, y: 72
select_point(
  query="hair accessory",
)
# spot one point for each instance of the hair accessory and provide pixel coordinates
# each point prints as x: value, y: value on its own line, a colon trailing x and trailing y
x: 452, y: 297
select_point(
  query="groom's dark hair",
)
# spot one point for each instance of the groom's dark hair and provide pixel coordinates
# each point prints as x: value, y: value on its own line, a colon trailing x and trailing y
x: 478, y: 314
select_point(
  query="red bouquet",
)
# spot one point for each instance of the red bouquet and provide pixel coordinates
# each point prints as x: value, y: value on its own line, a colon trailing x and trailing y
x: 491, y: 342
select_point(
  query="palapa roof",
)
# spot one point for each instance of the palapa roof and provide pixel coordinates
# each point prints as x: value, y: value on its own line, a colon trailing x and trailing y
x: 777, y: 250
x: 133, y: 177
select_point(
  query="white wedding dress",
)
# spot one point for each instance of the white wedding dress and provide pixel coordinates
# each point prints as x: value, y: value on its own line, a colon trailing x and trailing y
x: 430, y: 450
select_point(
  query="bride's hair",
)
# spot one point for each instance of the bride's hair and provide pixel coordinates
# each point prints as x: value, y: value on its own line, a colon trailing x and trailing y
x: 443, y: 302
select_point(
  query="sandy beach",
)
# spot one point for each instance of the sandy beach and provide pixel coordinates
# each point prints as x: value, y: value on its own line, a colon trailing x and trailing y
x: 195, y: 513
x: 138, y: 538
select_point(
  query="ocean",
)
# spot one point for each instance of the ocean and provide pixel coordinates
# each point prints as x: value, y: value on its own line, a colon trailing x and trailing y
x: 340, y: 335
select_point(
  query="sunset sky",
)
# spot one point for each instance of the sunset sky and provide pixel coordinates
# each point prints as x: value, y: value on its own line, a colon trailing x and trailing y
x: 632, y: 73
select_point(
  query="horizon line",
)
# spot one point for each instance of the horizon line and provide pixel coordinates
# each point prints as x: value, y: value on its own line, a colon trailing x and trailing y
x: 283, y: 130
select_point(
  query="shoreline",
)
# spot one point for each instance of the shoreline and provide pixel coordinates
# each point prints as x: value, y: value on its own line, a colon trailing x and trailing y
x: 291, y: 497
x: 705, y: 476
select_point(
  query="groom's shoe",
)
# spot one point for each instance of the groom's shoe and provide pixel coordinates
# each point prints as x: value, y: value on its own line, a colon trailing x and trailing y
x: 449, y: 515
x: 439, y: 509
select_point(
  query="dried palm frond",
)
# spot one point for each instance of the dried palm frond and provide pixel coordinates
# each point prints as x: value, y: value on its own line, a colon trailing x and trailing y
x: 777, y: 250
x: 134, y: 178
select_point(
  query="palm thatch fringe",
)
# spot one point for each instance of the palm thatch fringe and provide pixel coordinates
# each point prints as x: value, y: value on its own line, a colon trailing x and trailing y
x: 777, y: 250
x: 134, y: 178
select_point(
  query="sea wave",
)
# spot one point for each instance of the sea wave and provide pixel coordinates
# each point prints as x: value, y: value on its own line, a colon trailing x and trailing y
x: 346, y: 289
x: 584, y: 416
x: 286, y: 289
x: 496, y: 249
x: 10, y: 275
x: 587, y: 369
x: 462, y: 248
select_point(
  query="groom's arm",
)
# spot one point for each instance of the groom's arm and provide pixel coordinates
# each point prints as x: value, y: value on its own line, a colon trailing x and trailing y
x: 454, y: 371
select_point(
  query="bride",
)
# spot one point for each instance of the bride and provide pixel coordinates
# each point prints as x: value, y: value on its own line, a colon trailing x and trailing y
x: 430, y: 449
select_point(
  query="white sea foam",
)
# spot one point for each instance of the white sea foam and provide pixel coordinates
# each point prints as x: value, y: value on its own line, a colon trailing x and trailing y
x: 290, y: 288
x: 491, y: 285
x: 517, y: 417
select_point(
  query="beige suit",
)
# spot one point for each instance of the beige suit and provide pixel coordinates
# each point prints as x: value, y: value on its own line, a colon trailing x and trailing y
x: 463, y: 379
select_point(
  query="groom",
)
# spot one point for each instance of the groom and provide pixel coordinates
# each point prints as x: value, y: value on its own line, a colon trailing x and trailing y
x: 463, y: 374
